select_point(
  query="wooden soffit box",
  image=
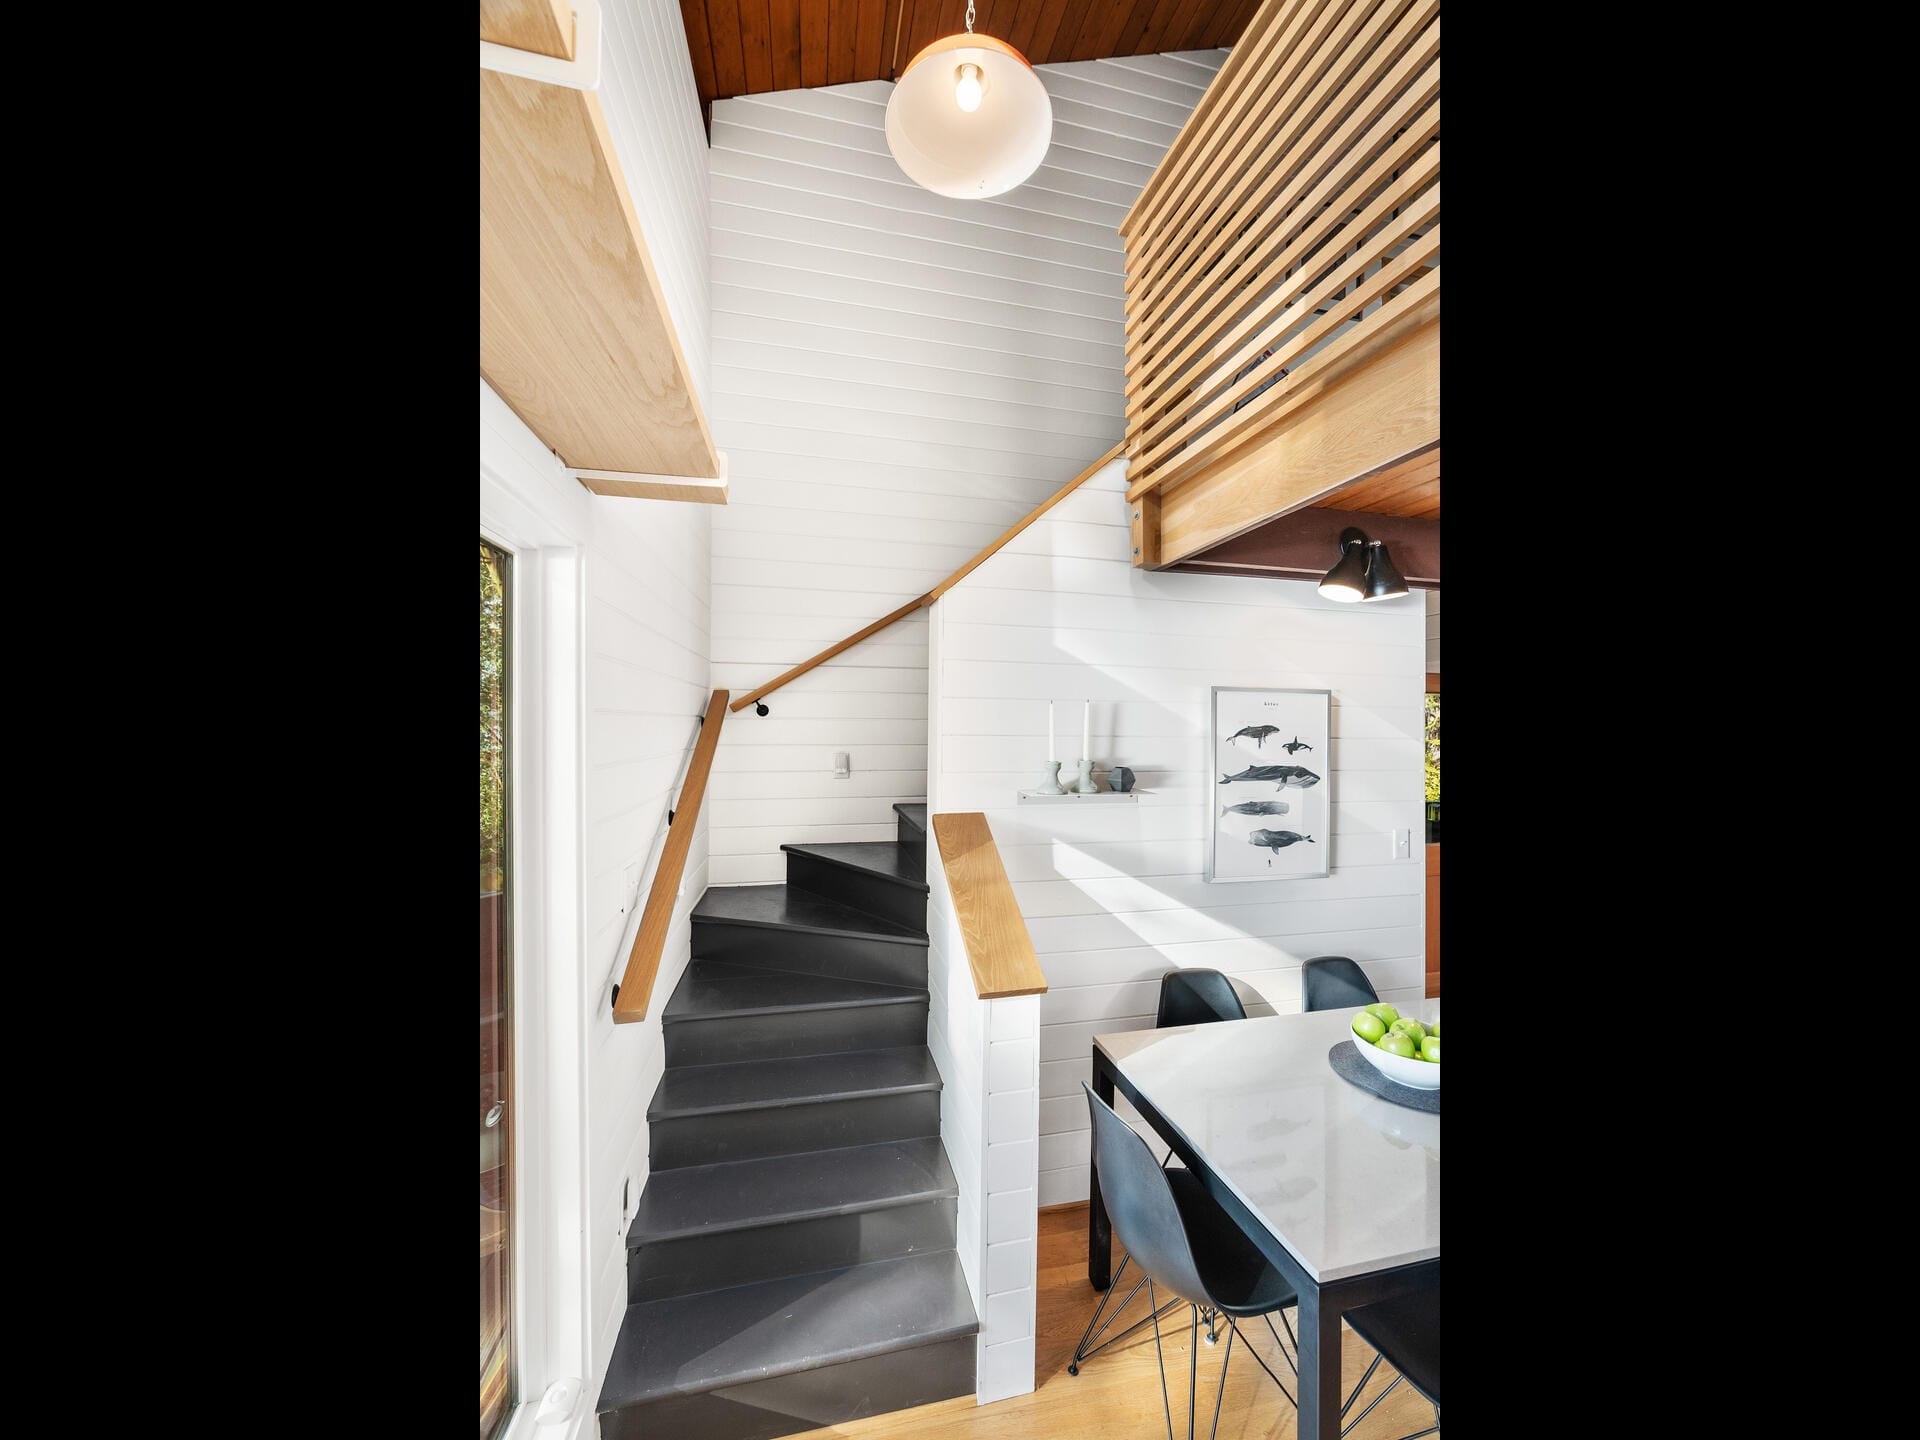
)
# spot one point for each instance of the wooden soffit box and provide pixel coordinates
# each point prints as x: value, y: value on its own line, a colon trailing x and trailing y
x: 574, y: 329
x: 1379, y: 422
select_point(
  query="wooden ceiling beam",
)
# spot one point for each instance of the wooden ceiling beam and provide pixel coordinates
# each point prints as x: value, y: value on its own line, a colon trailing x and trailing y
x: 1305, y: 544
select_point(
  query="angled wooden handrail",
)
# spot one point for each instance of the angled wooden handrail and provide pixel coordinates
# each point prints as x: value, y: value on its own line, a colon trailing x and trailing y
x: 923, y: 601
x: 643, y: 961
x: 999, y: 950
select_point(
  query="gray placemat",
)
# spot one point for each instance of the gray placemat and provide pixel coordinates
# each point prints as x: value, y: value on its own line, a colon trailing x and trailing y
x: 1350, y: 1065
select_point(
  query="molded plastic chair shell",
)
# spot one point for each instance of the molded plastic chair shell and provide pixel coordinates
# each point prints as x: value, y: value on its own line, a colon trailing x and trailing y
x: 1333, y: 982
x: 1197, y: 997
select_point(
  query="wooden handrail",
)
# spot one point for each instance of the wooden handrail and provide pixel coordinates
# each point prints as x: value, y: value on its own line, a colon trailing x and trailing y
x: 999, y: 950
x: 923, y: 601
x: 643, y: 961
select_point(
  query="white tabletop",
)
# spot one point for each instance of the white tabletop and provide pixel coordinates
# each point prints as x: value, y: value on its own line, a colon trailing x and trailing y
x: 1348, y: 1182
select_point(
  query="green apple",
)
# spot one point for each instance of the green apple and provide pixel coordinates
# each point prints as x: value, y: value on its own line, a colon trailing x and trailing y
x: 1434, y: 1029
x: 1368, y: 1027
x: 1385, y: 1011
x: 1430, y: 1049
x: 1412, y: 1029
x: 1396, y: 1042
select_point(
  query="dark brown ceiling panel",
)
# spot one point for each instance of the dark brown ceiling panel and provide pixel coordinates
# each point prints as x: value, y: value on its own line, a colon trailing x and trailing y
x: 748, y: 47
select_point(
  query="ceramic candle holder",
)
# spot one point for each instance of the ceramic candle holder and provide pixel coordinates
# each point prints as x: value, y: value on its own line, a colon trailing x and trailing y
x: 1086, y: 785
x: 1051, y: 785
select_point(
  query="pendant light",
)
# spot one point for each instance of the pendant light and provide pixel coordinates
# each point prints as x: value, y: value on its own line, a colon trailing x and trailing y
x: 969, y: 118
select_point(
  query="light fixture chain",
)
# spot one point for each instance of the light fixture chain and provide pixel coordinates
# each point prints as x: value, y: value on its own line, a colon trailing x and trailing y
x: 969, y: 17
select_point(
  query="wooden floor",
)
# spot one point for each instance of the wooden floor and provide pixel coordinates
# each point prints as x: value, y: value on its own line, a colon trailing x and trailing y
x: 1116, y: 1395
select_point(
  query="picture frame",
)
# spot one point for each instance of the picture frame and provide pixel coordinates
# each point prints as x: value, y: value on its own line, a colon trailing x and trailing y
x: 1270, y: 805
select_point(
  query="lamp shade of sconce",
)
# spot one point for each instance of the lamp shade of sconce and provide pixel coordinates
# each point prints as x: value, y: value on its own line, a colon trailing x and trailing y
x: 969, y: 118
x: 1383, y: 581
x: 1348, y: 579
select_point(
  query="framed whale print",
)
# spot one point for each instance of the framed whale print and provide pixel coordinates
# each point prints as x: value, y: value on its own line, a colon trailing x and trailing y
x: 1270, y: 815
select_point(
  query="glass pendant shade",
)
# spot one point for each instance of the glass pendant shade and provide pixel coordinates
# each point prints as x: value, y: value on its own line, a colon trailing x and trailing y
x: 969, y: 133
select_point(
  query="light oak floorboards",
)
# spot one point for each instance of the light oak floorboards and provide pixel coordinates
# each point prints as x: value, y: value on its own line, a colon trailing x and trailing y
x: 1116, y: 1395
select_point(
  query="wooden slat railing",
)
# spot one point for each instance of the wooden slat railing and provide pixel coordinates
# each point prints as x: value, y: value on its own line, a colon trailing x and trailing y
x: 923, y: 601
x: 1290, y: 234
x: 999, y: 950
x: 643, y: 960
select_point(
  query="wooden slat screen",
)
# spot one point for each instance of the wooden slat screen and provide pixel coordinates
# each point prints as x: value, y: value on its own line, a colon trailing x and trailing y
x: 1291, y: 232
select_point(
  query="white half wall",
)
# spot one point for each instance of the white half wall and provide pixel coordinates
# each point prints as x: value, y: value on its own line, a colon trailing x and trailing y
x: 1433, y: 631
x: 897, y: 377
x: 653, y: 114
x: 1113, y: 895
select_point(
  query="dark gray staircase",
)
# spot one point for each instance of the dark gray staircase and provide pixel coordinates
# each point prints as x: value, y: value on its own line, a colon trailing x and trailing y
x: 791, y: 1262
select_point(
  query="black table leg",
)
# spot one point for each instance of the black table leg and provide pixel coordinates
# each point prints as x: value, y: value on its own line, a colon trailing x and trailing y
x: 1319, y: 1366
x: 1099, y: 1228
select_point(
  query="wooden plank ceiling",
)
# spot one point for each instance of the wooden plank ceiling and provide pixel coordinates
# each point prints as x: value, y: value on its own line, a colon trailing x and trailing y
x: 747, y: 47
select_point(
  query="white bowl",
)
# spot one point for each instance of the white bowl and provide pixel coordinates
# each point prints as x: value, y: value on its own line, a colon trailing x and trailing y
x: 1419, y: 1074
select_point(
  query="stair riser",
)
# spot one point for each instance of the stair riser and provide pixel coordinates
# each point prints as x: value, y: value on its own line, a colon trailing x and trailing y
x: 881, y: 961
x: 912, y: 839
x: 790, y: 1129
x: 698, y: 1263
x: 805, y: 1400
x: 795, y: 1032
x: 902, y: 904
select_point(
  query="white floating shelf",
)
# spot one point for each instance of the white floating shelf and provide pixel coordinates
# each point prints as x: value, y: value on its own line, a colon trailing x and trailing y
x: 1099, y: 797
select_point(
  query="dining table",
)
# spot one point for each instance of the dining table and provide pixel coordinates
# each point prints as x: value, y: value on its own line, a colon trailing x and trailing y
x: 1339, y: 1188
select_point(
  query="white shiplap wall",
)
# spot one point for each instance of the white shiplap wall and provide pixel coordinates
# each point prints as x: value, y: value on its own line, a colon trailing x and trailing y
x: 1113, y: 895
x: 1433, y: 631
x: 637, y: 576
x: 897, y: 377
x: 648, y: 637
x: 653, y: 113
x: 647, y: 643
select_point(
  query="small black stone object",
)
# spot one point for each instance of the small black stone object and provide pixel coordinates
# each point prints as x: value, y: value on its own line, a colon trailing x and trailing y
x: 1120, y: 778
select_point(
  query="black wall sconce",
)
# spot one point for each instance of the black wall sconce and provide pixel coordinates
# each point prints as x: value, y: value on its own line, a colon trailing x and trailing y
x: 1364, y: 572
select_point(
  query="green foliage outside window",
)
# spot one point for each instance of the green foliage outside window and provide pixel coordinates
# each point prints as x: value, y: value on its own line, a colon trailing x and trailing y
x: 1433, y: 746
x: 493, y: 716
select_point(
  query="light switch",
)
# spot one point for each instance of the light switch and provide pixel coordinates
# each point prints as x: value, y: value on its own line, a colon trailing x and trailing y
x: 1402, y: 844
x: 842, y: 766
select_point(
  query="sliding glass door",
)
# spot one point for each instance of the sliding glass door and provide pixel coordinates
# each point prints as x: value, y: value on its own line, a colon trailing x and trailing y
x: 496, y: 1137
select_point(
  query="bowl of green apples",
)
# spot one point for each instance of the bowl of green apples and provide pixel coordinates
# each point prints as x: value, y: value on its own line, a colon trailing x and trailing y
x: 1405, y: 1050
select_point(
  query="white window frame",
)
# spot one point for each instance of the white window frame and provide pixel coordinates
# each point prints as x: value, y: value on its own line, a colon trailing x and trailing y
x: 530, y: 507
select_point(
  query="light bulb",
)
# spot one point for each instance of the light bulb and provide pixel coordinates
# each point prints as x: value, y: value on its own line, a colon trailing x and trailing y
x: 967, y: 90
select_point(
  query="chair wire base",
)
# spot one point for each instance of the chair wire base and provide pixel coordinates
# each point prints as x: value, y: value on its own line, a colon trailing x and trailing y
x: 1193, y: 1364
x: 1433, y: 1429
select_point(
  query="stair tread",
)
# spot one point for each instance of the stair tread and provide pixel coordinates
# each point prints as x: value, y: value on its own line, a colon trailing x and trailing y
x: 915, y: 812
x: 707, y: 1199
x: 694, y: 1343
x: 795, y: 1080
x: 711, y: 989
x: 778, y: 908
x: 884, y: 859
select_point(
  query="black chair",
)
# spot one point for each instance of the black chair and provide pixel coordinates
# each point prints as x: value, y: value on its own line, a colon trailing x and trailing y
x: 1196, y: 997
x: 1333, y: 982
x: 1184, y: 1243
x: 1187, y: 997
x: 1405, y: 1331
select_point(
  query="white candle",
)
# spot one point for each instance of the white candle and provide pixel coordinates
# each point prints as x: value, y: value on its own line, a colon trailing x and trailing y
x: 1052, y: 749
x: 1086, y: 730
